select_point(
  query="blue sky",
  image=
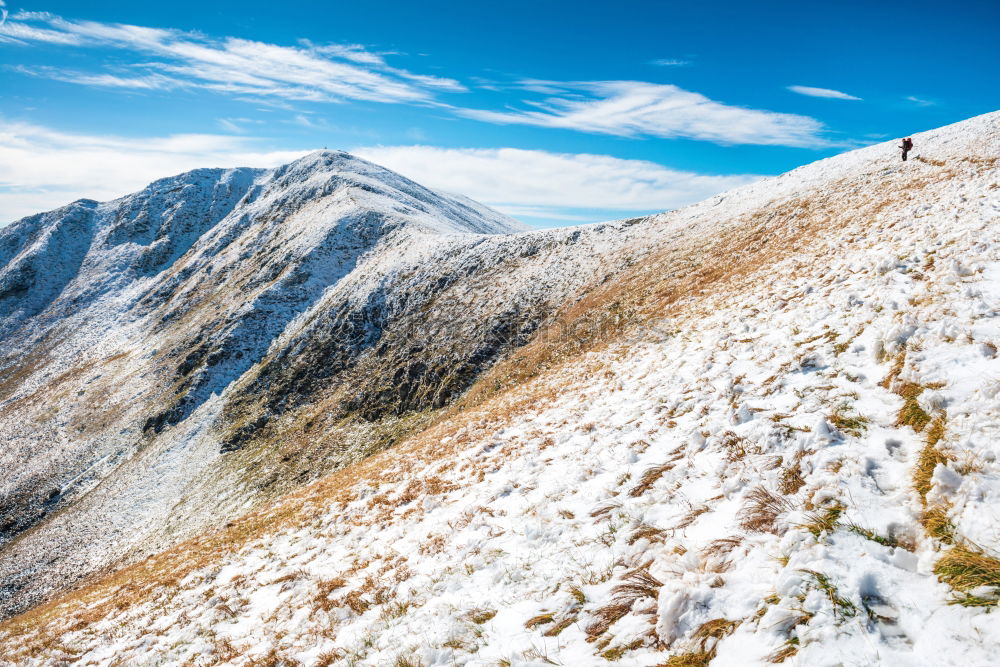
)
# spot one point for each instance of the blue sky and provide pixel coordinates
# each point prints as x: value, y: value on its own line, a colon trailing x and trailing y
x: 555, y: 112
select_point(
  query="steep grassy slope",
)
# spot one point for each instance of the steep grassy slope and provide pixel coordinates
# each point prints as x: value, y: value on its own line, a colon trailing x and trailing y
x: 770, y: 435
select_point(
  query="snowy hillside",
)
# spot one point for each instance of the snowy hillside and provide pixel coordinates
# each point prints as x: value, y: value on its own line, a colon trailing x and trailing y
x: 762, y: 429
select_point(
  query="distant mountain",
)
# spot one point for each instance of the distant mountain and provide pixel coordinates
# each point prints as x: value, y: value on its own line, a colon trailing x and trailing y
x: 148, y: 339
x: 320, y: 415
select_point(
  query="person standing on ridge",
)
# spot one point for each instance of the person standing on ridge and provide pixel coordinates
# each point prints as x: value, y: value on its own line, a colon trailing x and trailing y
x: 907, y: 146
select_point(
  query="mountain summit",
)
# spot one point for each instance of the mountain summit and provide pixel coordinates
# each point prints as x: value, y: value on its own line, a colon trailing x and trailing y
x: 319, y: 414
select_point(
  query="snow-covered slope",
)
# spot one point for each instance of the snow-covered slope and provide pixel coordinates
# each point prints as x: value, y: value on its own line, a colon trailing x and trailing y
x: 760, y: 429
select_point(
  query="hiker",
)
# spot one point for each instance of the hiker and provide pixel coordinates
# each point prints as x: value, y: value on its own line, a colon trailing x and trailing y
x: 907, y: 146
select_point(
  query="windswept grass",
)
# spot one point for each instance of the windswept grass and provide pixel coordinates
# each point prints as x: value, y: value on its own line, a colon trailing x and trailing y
x: 965, y: 568
x: 762, y: 510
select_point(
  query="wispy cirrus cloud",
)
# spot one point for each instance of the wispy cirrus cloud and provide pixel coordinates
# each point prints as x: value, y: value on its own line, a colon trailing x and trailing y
x: 305, y: 72
x: 553, y: 186
x: 822, y: 92
x: 637, y: 108
x: 42, y: 169
x: 920, y: 102
x: 280, y: 75
x: 670, y: 62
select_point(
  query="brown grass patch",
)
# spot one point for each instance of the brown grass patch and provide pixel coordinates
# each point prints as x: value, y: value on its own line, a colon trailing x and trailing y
x: 762, y: 510
x: 637, y: 584
x: 541, y: 619
x: 791, y: 479
x: 480, y: 615
x: 647, y: 532
x: 649, y: 477
x: 965, y: 568
x: 929, y: 458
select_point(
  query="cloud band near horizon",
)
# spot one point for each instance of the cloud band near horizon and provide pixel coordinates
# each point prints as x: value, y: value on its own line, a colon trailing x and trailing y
x: 42, y: 169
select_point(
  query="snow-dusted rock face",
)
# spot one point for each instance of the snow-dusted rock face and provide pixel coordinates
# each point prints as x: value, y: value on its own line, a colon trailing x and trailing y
x: 759, y: 429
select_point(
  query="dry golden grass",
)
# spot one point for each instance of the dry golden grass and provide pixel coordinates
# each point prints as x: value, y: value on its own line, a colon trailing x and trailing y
x: 930, y: 456
x: 480, y: 616
x: 824, y: 520
x: 691, y: 517
x: 936, y: 522
x: 762, y: 510
x: 636, y: 584
x: 737, y: 447
x: 690, y: 659
x: 721, y: 547
x: 541, y: 619
x: 784, y: 652
x: 649, y: 478
x: 791, y: 479
x: 647, y: 532
x: 604, y: 618
x: 965, y: 568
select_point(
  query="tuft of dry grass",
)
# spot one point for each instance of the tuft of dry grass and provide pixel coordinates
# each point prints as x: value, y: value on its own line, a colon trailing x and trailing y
x: 541, y: 619
x: 965, y: 568
x: 929, y: 457
x: 649, y: 478
x: 605, y: 510
x: 690, y: 659
x: 721, y: 547
x: 706, y: 637
x: 791, y: 479
x: 785, y: 651
x: 605, y: 617
x: 761, y: 510
x: 637, y: 584
x: 854, y: 425
x: 911, y: 414
x: 823, y: 521
x: 737, y: 447
x: 647, y: 532
x: 480, y: 615
x: 711, y: 632
x: 937, y: 524
x: 559, y: 626
x: 403, y: 661
x: 691, y: 517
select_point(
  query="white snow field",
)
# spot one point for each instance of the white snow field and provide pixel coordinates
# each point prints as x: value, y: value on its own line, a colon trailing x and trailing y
x: 782, y: 450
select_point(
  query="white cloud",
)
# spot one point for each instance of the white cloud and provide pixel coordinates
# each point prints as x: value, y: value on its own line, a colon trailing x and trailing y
x: 669, y: 62
x: 822, y: 92
x: 556, y: 186
x: 636, y: 108
x: 42, y: 169
x: 236, y: 66
x: 920, y: 102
